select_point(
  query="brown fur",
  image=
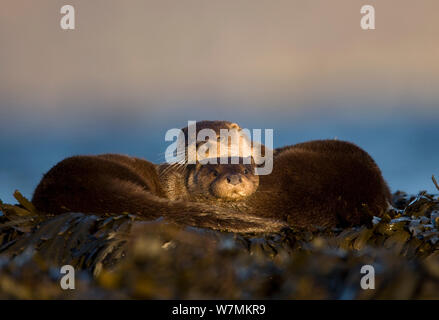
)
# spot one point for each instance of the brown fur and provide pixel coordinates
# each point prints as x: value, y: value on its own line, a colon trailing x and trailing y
x: 324, y: 183
x: 209, y: 182
x: 117, y: 184
x: 216, y: 126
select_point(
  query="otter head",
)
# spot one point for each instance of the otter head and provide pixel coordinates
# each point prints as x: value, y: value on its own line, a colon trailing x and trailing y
x: 221, y: 182
x: 232, y: 142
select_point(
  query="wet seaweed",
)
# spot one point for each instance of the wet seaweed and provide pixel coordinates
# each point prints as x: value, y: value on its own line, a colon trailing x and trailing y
x: 124, y: 256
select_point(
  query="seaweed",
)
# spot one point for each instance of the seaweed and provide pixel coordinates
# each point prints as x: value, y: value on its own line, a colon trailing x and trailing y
x: 124, y: 256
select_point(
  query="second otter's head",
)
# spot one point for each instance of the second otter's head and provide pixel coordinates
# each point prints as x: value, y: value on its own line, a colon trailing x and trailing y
x: 220, y: 144
x: 221, y: 182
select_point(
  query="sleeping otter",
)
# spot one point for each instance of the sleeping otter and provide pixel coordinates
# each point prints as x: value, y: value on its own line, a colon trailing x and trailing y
x: 314, y: 184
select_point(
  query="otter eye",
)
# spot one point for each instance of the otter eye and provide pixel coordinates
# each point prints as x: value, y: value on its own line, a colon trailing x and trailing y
x: 245, y: 171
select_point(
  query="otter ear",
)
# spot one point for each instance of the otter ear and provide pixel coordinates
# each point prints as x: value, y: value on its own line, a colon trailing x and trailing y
x: 234, y: 125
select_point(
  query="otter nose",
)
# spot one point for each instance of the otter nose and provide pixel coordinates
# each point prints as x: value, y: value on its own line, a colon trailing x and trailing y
x: 234, y: 179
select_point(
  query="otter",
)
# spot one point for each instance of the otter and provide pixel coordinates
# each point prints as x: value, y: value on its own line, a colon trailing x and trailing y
x: 322, y: 183
x: 318, y: 184
x: 325, y: 183
x: 114, y: 183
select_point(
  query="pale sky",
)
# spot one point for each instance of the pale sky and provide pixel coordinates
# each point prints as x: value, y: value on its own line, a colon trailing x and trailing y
x: 241, y: 55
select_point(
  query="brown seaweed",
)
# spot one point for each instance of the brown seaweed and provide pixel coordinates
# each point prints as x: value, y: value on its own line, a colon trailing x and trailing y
x: 122, y: 256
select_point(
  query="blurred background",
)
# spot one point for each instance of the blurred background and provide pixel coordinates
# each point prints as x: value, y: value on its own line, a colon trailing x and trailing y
x: 134, y: 69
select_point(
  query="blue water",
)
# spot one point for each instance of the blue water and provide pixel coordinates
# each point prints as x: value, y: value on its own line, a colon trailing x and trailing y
x: 406, y: 150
